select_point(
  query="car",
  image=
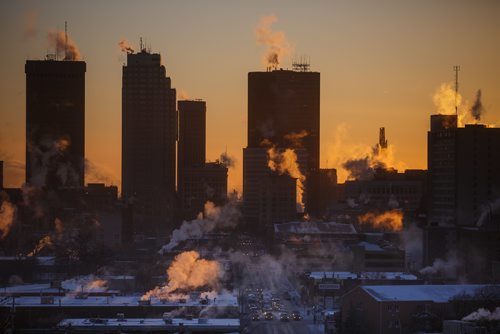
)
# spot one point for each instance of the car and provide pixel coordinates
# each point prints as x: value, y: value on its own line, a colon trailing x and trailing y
x: 296, y: 315
x: 268, y: 316
x: 255, y: 316
x: 284, y: 317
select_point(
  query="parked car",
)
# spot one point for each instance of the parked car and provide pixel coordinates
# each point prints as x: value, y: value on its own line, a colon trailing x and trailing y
x: 296, y: 315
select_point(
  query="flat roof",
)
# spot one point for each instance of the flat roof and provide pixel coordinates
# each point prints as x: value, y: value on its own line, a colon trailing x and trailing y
x: 366, y: 275
x: 225, y: 300
x: 434, y: 293
x: 111, y: 324
x: 314, y: 228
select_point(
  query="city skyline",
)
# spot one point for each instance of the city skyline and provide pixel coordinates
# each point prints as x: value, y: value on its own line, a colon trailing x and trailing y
x: 359, y: 50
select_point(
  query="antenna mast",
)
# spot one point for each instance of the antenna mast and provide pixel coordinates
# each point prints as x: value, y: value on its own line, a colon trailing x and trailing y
x: 65, y: 40
x: 456, y: 68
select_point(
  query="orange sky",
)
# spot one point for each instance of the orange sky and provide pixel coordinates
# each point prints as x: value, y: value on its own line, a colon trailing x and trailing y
x: 380, y: 63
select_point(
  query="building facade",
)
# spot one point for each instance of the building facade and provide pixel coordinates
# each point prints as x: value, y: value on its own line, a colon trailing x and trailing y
x: 283, y: 112
x: 55, y: 123
x: 463, y: 178
x: 149, y: 133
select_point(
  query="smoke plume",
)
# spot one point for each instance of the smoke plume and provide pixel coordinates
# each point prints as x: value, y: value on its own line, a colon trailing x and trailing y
x: 447, y: 267
x: 188, y: 271
x: 227, y: 160
x: 444, y: 100
x: 487, y: 211
x: 477, y: 108
x: 413, y: 246
x: 67, y: 50
x: 7, y: 214
x: 125, y: 46
x: 483, y: 315
x: 99, y: 174
x: 277, y: 46
x: 285, y: 162
x: 364, y: 168
x: 386, y: 221
x: 212, y: 218
x: 47, y: 154
x: 48, y: 240
x: 295, y: 139
x: 30, y: 20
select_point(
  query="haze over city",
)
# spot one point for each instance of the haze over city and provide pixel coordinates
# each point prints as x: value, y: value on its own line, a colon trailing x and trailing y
x: 380, y: 63
x: 247, y: 167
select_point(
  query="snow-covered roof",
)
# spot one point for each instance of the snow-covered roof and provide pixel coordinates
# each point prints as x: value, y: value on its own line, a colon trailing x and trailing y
x: 314, y: 228
x: 368, y: 246
x: 365, y: 275
x: 131, y: 301
x: 434, y: 293
x: 139, y: 324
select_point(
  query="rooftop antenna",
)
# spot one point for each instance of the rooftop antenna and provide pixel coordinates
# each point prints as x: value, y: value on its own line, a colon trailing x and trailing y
x: 456, y: 68
x: 65, y: 40
x: 140, y: 42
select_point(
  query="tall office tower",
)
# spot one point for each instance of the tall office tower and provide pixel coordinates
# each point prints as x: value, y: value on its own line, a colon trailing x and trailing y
x: 149, y: 131
x: 197, y: 181
x: 283, y: 111
x: 192, y: 137
x: 463, y: 166
x: 464, y: 188
x: 55, y: 123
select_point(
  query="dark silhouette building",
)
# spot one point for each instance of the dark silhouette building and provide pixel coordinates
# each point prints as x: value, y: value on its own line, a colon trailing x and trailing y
x: 55, y: 123
x: 284, y: 111
x: 149, y: 131
x: 197, y: 181
x: 464, y: 188
x: 463, y: 164
x: 192, y: 139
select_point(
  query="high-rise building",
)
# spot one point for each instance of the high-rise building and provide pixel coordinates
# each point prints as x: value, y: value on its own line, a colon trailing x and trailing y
x: 149, y: 131
x: 55, y: 123
x: 463, y: 166
x: 197, y: 181
x: 192, y: 137
x: 284, y: 112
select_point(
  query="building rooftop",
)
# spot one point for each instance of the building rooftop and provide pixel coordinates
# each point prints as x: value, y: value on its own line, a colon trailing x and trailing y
x: 314, y: 228
x: 434, y: 293
x: 144, y: 325
x: 367, y: 275
x: 74, y: 300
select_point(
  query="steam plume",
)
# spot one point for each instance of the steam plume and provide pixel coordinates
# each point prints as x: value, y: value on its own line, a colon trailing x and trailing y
x: 125, y: 46
x: 95, y: 173
x: 30, y: 20
x: 188, y: 271
x: 447, y: 267
x: 387, y: 221
x: 286, y: 162
x: 7, y: 214
x: 477, y: 108
x: 212, y: 218
x: 66, y: 51
x: 483, y: 315
x: 277, y: 45
x: 227, y: 160
x: 295, y: 139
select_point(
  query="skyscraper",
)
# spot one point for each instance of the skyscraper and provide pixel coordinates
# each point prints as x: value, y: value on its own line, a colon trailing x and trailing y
x: 463, y: 168
x: 149, y: 130
x: 283, y: 112
x: 55, y: 123
x: 192, y: 136
x: 197, y: 181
